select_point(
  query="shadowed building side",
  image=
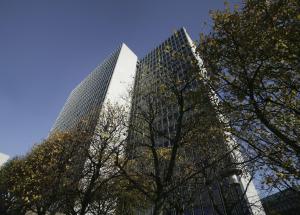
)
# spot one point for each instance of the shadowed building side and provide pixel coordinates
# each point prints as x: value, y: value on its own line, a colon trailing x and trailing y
x: 151, y: 76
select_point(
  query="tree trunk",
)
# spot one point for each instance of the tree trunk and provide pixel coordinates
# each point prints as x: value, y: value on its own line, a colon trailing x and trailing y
x: 179, y: 211
x: 157, y: 210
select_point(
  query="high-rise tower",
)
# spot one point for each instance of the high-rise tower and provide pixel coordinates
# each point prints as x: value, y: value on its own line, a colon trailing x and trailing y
x: 173, y: 64
x: 175, y: 58
x: 107, y: 82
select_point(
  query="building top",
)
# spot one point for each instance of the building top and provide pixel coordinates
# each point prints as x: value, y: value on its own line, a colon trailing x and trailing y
x: 86, y: 99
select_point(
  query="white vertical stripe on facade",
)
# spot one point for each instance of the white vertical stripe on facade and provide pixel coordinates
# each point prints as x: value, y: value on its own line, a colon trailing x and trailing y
x: 122, y: 78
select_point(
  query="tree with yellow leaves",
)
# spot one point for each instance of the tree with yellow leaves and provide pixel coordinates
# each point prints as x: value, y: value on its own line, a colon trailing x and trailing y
x: 40, y: 179
x: 71, y: 173
x: 252, y: 59
x: 11, y: 201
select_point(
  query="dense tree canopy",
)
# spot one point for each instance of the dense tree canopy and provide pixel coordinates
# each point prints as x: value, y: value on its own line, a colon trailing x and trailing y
x: 73, y: 173
x: 252, y: 59
x: 38, y: 181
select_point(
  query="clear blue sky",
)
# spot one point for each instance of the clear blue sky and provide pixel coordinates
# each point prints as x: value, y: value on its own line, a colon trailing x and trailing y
x: 48, y: 47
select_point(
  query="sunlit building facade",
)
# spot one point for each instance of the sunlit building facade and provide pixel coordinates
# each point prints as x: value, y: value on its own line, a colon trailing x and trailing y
x: 107, y: 82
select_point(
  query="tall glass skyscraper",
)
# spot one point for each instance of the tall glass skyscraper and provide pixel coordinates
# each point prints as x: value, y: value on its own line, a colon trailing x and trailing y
x: 173, y: 62
x: 107, y: 82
